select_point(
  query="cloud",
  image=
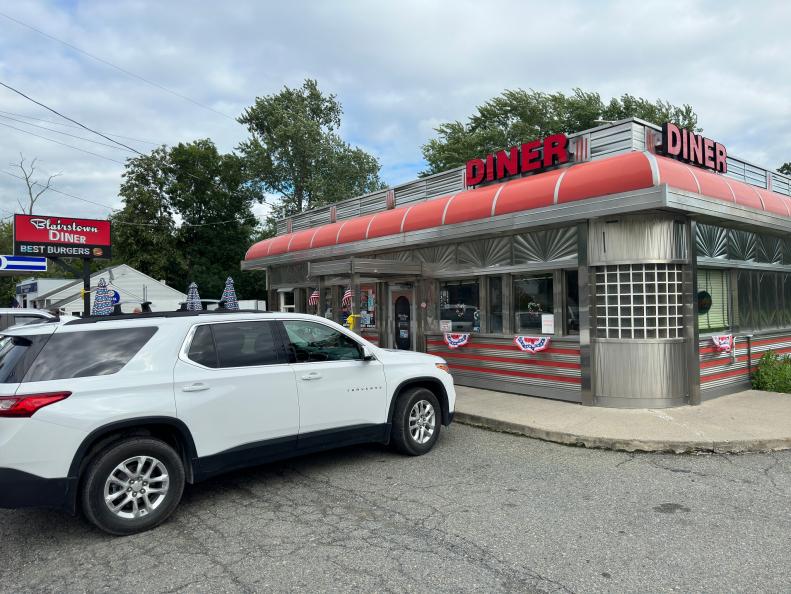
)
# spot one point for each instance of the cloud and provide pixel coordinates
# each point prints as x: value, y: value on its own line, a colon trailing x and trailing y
x: 399, y: 70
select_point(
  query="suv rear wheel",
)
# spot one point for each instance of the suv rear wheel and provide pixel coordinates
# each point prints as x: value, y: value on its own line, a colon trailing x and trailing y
x: 416, y: 422
x: 133, y: 486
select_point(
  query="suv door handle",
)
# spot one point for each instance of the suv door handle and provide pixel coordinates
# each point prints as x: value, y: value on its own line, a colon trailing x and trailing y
x: 313, y: 375
x: 196, y: 387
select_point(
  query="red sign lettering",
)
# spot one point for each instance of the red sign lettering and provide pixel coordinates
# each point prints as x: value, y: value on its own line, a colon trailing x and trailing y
x: 519, y: 159
x: 692, y: 148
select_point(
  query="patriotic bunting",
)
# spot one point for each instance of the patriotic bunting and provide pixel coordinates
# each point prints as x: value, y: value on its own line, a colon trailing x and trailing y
x: 532, y: 344
x: 455, y: 340
x: 723, y: 343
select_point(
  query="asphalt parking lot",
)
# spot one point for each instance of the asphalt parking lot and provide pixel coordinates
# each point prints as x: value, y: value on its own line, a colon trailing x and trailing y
x: 483, y: 511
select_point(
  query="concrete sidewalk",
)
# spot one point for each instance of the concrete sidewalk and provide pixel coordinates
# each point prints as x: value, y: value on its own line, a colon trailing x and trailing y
x: 749, y: 421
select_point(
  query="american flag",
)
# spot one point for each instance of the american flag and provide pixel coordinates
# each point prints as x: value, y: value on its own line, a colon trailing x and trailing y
x: 347, y: 297
x: 314, y: 298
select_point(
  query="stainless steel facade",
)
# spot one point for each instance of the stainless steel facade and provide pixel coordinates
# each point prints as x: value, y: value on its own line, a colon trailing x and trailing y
x: 637, y: 258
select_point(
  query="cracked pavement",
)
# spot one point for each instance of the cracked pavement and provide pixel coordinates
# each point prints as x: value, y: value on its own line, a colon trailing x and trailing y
x: 483, y: 511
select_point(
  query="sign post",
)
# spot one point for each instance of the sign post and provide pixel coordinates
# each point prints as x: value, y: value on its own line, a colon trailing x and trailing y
x: 64, y: 237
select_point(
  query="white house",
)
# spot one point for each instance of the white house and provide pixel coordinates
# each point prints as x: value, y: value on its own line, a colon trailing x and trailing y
x: 131, y: 285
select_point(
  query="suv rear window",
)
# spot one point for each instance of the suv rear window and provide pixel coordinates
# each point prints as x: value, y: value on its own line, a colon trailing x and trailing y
x: 83, y: 354
x: 236, y: 344
x: 16, y: 355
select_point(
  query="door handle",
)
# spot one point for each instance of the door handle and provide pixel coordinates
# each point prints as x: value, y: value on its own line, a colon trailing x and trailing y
x: 313, y: 375
x: 196, y: 387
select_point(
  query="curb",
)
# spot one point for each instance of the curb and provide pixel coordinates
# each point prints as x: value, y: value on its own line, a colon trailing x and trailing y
x: 739, y: 446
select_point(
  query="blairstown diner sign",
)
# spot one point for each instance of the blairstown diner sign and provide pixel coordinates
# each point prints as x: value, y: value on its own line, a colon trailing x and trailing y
x: 61, y: 237
x: 529, y: 157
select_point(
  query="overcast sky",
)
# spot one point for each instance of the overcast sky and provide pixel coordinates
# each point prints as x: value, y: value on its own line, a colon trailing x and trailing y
x: 398, y: 69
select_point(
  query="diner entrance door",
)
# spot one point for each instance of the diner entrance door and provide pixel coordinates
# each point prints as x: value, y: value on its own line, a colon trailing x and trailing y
x: 401, y: 319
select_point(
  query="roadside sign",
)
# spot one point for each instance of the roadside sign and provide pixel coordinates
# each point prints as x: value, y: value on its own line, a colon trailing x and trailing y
x: 23, y: 264
x: 61, y: 237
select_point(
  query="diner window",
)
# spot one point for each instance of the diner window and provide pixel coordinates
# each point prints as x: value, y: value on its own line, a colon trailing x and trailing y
x: 286, y: 300
x: 762, y: 299
x: 572, y: 302
x: 712, y: 300
x: 495, y: 305
x: 458, y: 306
x: 327, y: 306
x: 533, y: 299
x: 367, y: 309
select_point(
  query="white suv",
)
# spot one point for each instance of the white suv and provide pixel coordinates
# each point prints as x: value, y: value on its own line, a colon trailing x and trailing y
x: 115, y: 414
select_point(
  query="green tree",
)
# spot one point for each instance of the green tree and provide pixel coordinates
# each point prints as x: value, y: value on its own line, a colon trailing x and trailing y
x: 519, y: 115
x: 295, y: 152
x: 187, y: 216
x: 144, y: 229
x: 785, y: 168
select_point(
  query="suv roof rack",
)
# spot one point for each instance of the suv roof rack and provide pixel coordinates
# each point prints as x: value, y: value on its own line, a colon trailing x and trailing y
x: 162, y: 314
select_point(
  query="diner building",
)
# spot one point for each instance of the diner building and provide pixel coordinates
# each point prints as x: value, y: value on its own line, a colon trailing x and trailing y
x: 630, y: 265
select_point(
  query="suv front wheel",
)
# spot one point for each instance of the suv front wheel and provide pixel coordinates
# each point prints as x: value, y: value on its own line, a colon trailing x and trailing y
x: 133, y: 486
x: 416, y: 422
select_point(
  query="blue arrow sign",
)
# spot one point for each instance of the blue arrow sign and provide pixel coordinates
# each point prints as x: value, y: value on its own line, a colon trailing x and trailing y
x: 116, y: 297
x: 23, y: 263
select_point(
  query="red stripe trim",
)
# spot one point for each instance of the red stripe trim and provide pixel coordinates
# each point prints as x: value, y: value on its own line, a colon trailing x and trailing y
x: 544, y: 362
x: 771, y: 341
x: 740, y: 358
x: 508, y: 347
x: 724, y: 374
x: 544, y: 376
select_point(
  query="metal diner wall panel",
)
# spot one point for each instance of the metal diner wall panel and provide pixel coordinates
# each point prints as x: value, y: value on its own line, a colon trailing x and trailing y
x: 497, y: 363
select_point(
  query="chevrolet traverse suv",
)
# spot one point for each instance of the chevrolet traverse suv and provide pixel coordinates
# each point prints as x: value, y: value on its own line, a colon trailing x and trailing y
x: 113, y: 415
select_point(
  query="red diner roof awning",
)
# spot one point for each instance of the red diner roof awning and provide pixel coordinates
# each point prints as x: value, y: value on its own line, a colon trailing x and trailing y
x: 615, y: 175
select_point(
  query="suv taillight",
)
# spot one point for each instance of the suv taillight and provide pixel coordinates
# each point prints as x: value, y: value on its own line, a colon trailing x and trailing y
x: 26, y: 405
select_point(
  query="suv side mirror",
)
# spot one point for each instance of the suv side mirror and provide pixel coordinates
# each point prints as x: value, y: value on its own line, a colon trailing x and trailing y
x: 368, y: 354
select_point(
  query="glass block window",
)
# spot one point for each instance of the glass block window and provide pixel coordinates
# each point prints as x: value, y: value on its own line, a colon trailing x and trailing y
x: 639, y: 301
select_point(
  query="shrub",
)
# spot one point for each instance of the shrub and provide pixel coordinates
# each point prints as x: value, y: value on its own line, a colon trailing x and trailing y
x: 773, y: 373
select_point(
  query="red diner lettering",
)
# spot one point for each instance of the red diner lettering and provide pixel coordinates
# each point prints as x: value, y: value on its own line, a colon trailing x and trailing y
x: 475, y: 171
x: 507, y: 162
x: 556, y: 150
x: 489, y: 167
x: 531, y: 157
x: 671, y: 140
x: 708, y: 153
x: 721, y: 158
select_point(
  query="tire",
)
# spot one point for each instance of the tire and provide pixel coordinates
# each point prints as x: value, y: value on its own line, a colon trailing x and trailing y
x: 407, y: 438
x: 114, y: 472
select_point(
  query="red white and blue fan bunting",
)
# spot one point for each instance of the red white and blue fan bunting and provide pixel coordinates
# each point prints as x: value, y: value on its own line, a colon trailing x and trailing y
x: 347, y: 297
x: 532, y: 344
x: 723, y: 343
x: 314, y: 298
x: 455, y: 340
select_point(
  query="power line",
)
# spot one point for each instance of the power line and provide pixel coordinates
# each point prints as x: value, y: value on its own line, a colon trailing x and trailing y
x: 111, y: 65
x: 18, y: 92
x: 58, y: 191
x: 76, y: 148
x: 112, y: 146
x: 115, y: 222
x: 54, y: 123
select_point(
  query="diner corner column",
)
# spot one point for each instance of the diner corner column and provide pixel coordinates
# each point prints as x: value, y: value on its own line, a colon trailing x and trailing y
x: 691, y: 329
x: 583, y: 274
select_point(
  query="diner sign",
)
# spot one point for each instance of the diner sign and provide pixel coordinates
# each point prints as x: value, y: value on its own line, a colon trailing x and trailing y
x: 686, y: 146
x: 529, y: 157
x: 61, y: 237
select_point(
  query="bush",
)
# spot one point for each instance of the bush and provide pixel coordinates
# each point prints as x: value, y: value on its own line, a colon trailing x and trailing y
x: 773, y: 373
